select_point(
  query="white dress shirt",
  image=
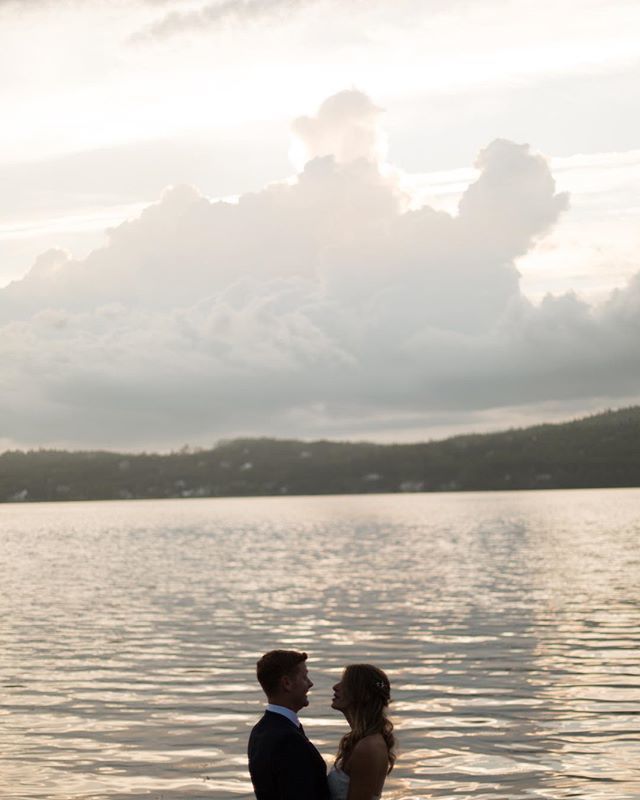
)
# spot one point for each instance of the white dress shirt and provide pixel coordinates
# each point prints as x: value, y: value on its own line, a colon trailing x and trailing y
x: 286, y: 712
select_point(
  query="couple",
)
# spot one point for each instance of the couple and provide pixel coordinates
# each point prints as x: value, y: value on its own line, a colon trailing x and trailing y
x: 283, y: 763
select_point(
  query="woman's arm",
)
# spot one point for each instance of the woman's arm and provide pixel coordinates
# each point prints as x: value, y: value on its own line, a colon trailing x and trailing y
x: 368, y: 766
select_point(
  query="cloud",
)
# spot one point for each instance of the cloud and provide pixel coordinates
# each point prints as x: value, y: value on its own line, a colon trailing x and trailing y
x: 308, y: 307
x: 211, y: 15
x: 345, y: 127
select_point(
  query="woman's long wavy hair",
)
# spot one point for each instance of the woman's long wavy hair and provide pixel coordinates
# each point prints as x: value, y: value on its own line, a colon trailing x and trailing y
x: 368, y: 692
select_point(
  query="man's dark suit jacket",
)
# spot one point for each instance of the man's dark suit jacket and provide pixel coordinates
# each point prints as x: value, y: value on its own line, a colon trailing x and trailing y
x: 283, y: 763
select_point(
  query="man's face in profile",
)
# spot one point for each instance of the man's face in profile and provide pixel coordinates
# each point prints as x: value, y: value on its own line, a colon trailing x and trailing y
x: 299, y: 685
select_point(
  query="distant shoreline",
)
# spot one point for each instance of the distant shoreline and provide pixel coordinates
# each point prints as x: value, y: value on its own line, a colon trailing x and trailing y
x: 317, y: 494
x: 597, y: 452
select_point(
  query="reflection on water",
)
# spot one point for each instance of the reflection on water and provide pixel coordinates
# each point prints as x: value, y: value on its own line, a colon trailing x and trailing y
x: 509, y: 624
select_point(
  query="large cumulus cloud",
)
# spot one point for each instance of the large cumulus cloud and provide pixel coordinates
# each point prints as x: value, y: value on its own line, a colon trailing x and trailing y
x: 313, y: 304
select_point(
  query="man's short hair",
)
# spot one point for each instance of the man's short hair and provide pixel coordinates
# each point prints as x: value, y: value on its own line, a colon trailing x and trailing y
x: 274, y: 665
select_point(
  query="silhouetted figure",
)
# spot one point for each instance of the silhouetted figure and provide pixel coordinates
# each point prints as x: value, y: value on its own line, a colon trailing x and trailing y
x: 283, y: 763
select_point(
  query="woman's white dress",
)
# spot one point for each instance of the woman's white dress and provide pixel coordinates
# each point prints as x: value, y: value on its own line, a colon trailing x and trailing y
x: 339, y: 784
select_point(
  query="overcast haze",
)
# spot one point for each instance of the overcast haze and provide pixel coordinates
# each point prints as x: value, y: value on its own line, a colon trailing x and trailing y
x: 315, y: 219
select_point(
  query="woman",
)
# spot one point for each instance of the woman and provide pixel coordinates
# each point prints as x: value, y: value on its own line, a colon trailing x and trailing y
x: 365, y: 754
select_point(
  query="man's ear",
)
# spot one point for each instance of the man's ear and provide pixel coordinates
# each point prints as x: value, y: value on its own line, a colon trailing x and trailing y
x: 286, y: 683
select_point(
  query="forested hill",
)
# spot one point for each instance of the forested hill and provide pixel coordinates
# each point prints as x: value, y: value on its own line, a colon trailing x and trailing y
x: 598, y: 451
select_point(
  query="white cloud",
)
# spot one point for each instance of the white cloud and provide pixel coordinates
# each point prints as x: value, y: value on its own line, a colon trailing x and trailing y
x: 308, y: 305
x: 207, y: 15
x: 346, y: 127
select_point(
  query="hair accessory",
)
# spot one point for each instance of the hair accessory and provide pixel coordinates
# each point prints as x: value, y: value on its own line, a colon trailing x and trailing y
x: 384, y: 688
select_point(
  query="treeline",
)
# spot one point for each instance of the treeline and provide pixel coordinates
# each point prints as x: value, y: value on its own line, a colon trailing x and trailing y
x: 598, y: 451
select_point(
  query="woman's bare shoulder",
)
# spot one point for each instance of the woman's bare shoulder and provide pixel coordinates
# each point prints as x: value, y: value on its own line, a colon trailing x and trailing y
x: 371, y: 747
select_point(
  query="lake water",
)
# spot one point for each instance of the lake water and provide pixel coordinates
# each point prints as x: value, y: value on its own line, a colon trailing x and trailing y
x: 509, y: 624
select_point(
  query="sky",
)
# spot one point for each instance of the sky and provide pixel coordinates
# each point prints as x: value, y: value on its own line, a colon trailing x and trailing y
x: 315, y: 219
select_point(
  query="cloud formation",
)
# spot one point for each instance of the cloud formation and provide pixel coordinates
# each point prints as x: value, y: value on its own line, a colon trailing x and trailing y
x: 345, y: 127
x: 308, y: 307
x: 218, y: 13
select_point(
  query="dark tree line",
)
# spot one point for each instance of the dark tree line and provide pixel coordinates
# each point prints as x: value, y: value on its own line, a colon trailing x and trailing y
x: 598, y: 451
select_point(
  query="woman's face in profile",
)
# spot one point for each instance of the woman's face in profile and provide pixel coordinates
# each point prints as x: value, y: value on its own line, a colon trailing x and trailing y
x: 340, y: 700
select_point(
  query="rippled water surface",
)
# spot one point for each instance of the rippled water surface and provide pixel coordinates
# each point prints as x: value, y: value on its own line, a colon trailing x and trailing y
x: 509, y: 624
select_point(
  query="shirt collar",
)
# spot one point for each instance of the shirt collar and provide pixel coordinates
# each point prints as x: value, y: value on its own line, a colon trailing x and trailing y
x: 286, y: 712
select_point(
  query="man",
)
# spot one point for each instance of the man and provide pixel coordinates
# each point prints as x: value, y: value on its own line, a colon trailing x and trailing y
x: 283, y: 763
